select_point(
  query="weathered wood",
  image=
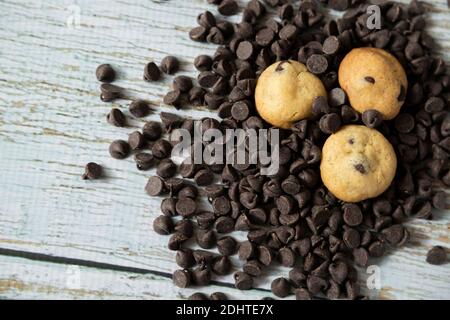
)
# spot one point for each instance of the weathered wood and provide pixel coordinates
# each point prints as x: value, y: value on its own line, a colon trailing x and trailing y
x: 52, y: 123
x: 24, y: 279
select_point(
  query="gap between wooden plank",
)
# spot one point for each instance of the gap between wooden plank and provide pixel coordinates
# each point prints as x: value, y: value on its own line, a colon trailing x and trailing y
x: 98, y: 265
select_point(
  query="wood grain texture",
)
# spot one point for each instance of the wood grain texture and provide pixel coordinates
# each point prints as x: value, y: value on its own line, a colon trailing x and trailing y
x: 52, y: 123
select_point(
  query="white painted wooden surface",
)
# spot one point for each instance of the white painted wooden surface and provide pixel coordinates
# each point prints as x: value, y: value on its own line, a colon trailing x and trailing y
x: 52, y: 123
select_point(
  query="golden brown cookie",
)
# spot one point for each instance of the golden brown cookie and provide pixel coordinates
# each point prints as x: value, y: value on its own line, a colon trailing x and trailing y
x: 358, y: 163
x: 285, y: 92
x: 373, y: 79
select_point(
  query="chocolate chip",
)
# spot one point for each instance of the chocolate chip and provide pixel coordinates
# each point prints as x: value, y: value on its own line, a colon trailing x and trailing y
x: 336, y: 97
x: 215, y: 36
x: 218, y: 296
x: 207, y: 79
x: 264, y: 37
x: 203, y: 177
x: 173, y: 98
x: 351, y: 238
x: 288, y: 32
x: 222, y: 265
x: 437, y: 255
x: 434, y: 105
x: 182, y: 278
x: 394, y: 234
x: 203, y: 63
x: 161, y: 148
x: 163, y: 225
x: 168, y: 206
x: 152, y: 130
x: 265, y: 255
x: 206, y: 19
x: 372, y: 118
x: 227, y: 246
x: 119, y: 149
x: 151, y: 72
x: 317, y: 64
x: 201, y: 276
x: 110, y: 92
x: 116, y: 118
x: 330, y: 123
x: 92, y: 171
x: 352, y: 215
x: 155, y: 186
x: 286, y: 257
x: 245, y: 50
x: 136, y: 140
x: 198, y: 34
x: 105, y: 73
x: 139, y: 108
x: 224, y: 224
x: 281, y: 287
x: 402, y: 94
x: 302, y: 294
x: 316, y: 284
x: 228, y: 7
x: 331, y: 45
x: 246, y: 250
x: 197, y: 96
x: 144, y: 161
x: 185, y: 258
x: 198, y: 296
x: 404, y: 123
x: 377, y: 249
x: 369, y: 79
x: 206, y: 239
x: 166, y: 168
x: 361, y: 256
x: 182, y: 83
x: 243, y: 281
x: 186, y: 207
x: 240, y: 110
x: 170, y: 64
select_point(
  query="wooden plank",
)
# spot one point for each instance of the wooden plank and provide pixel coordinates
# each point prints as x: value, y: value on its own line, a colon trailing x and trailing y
x: 25, y: 279
x: 52, y: 123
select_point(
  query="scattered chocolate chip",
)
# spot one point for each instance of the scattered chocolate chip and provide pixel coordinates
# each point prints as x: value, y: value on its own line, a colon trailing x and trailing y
x: 139, y: 108
x: 437, y: 255
x: 170, y: 64
x: 119, y: 149
x: 116, y: 118
x: 152, y: 130
x: 163, y: 225
x: 105, y: 73
x: 144, y: 161
x: 92, y: 171
x: 151, y: 72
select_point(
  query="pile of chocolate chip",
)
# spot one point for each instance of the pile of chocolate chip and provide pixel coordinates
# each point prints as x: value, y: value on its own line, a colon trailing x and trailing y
x: 291, y: 218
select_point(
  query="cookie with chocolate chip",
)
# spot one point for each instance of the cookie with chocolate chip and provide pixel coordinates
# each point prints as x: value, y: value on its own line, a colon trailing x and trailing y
x: 373, y: 79
x: 285, y: 92
x: 358, y: 163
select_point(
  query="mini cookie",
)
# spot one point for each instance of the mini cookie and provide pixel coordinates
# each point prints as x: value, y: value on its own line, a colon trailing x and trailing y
x: 358, y: 163
x: 285, y: 92
x: 373, y: 79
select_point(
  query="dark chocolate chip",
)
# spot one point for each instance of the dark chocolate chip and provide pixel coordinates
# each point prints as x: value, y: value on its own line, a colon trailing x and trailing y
x: 105, y: 73
x: 92, y: 171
